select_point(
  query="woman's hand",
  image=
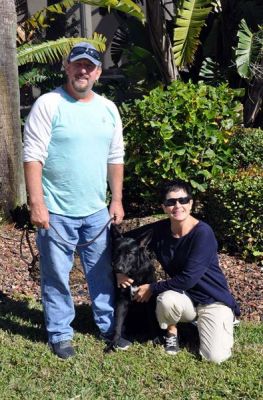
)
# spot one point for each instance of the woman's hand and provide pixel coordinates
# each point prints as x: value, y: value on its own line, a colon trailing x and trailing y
x: 123, y: 280
x: 143, y: 293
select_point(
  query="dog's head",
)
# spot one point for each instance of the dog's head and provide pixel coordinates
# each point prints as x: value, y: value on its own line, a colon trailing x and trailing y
x: 130, y: 255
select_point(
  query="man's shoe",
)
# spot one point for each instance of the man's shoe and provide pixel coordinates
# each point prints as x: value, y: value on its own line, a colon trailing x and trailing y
x: 171, y: 345
x: 63, y: 349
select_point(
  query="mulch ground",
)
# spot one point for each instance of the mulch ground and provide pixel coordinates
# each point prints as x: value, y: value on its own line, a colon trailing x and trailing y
x: 16, y: 280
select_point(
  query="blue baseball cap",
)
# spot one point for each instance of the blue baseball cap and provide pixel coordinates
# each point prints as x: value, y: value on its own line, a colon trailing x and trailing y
x: 85, y: 50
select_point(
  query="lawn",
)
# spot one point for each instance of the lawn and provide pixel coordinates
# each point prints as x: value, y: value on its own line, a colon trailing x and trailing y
x: 28, y: 370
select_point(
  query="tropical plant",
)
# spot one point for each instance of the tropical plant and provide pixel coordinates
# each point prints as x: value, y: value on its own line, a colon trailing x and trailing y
x: 52, y: 51
x: 208, y: 42
x: 190, y: 18
x: 249, y: 61
x: 40, y: 17
x: 249, y: 50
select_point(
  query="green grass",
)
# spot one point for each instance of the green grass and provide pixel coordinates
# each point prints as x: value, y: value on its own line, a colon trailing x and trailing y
x: 28, y: 370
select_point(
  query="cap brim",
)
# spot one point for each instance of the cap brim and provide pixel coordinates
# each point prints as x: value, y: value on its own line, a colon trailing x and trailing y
x: 85, y: 56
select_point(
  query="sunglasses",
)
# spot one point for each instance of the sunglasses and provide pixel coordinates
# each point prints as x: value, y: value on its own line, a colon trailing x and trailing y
x: 76, y: 51
x: 172, y: 202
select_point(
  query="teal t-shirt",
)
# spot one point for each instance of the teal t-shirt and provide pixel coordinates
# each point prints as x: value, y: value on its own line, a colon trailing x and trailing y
x: 81, y: 141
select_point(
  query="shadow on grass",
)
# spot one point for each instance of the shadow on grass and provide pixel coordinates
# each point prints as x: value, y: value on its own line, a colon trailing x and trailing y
x: 19, y: 318
x: 189, y: 337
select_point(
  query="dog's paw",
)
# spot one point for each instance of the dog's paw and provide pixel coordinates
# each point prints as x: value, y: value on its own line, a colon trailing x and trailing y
x: 110, y: 348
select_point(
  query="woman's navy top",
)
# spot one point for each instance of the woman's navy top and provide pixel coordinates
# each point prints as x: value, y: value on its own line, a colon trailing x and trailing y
x: 191, y: 262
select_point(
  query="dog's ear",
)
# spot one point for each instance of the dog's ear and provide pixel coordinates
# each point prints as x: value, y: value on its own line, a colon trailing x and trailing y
x: 145, y: 238
x: 115, y: 233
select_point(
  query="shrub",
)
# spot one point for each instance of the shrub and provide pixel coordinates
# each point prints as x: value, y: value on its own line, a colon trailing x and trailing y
x: 180, y: 132
x: 233, y: 207
x: 247, y: 145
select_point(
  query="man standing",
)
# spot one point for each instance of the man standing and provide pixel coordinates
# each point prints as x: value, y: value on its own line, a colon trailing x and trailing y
x: 73, y: 144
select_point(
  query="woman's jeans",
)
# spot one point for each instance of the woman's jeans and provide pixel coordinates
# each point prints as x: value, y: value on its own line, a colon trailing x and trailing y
x: 56, y: 261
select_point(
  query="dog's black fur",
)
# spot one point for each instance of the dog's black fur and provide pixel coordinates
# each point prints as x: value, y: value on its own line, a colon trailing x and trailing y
x: 132, y: 257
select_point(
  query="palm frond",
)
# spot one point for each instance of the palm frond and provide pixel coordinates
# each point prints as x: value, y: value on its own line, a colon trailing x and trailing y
x: 127, y: 6
x: 190, y: 19
x: 248, y: 50
x: 217, y: 6
x: 38, y: 20
x: 40, y: 76
x: 211, y: 71
x: 54, y: 50
x: 119, y: 42
x: 32, y: 77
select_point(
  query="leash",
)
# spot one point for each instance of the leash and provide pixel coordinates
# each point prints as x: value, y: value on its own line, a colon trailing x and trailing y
x: 35, y: 257
x: 88, y: 243
x: 25, y: 234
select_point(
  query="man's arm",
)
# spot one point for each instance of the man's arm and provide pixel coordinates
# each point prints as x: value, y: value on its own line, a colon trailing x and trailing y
x: 38, y: 210
x: 115, y: 178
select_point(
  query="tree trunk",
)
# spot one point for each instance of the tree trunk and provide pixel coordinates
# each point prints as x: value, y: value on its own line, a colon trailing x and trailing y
x: 160, y: 40
x: 12, y: 188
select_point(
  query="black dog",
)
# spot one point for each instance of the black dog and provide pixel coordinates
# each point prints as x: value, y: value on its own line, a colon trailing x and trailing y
x: 132, y: 257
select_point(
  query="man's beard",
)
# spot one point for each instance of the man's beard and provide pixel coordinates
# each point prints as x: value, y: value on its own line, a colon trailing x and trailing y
x: 79, y: 87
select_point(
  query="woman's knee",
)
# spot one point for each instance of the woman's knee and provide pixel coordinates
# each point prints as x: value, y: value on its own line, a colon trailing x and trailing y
x: 215, y: 356
x: 169, y: 300
x: 215, y: 326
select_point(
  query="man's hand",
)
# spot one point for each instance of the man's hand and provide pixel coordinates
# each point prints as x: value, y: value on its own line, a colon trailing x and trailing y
x: 123, y: 280
x: 39, y: 215
x: 143, y: 293
x: 116, y: 211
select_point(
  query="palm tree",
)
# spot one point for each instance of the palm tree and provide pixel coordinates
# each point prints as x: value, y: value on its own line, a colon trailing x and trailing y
x: 12, y: 189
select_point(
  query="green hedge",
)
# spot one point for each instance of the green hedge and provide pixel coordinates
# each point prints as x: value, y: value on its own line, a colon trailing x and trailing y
x: 247, y: 147
x: 183, y: 131
x: 233, y: 207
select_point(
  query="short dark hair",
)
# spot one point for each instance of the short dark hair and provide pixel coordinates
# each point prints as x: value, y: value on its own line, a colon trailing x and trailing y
x: 174, y: 185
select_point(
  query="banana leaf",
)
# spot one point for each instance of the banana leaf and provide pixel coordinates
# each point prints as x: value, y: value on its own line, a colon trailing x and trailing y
x: 248, y: 50
x: 190, y: 19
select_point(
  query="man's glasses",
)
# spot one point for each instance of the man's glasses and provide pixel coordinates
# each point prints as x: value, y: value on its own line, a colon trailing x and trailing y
x: 180, y: 200
x: 77, y: 51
